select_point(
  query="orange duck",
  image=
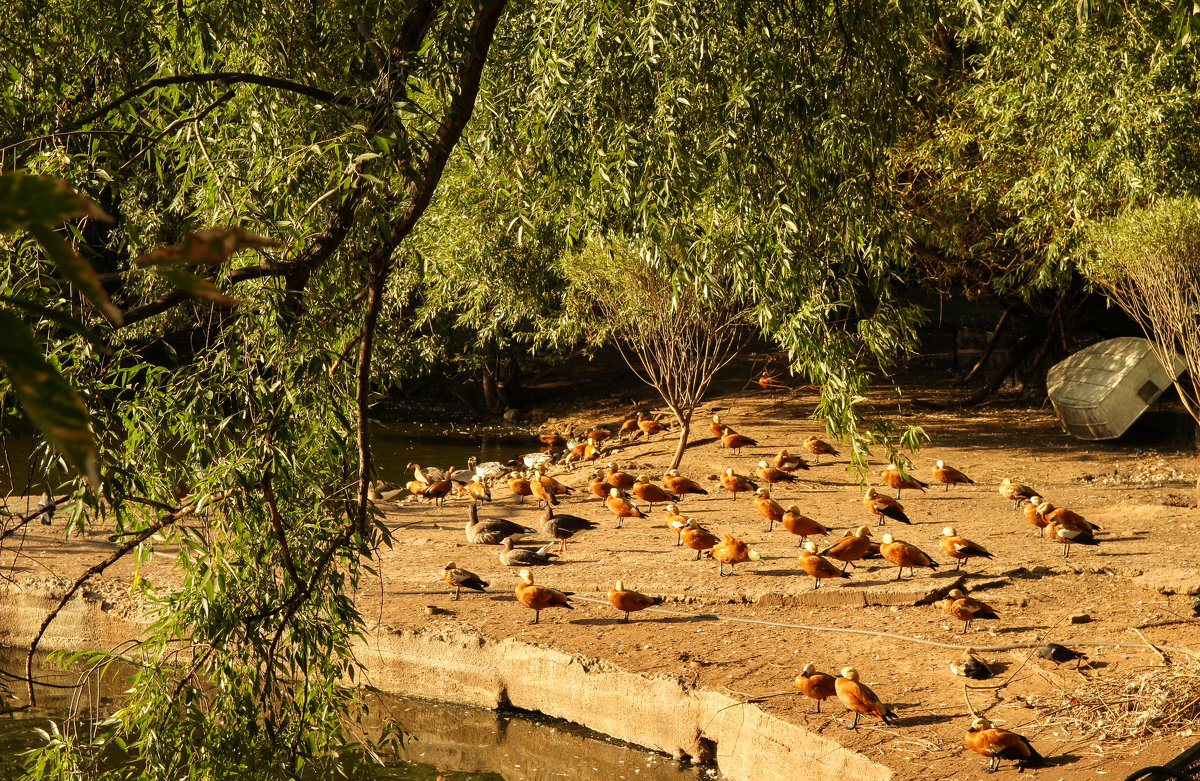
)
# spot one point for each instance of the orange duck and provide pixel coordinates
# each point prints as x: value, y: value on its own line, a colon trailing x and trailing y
x: 629, y: 427
x: 1035, y: 513
x: 718, y: 428
x: 819, y: 447
x: 461, y: 578
x: 619, y: 479
x: 772, y: 475
x: 732, y: 551
x: 1070, y: 535
x: 814, y: 685
x: 892, y: 476
x: 598, y: 435
x: 630, y: 601
x: 553, y: 485
x: 542, y: 492
x: 1016, y: 492
x: 599, y: 486
x: 788, y: 462
x: 1064, y: 517
x: 960, y: 548
x: 538, y: 598
x: 680, y: 485
x: 735, y: 441
x: 965, y: 608
x: 948, y: 475
x: 850, y: 548
x: 649, y: 426
x: 801, y: 525
x: 622, y: 507
x: 884, y: 507
x: 519, y: 486
x: 591, y: 450
x: 556, y: 441
x: 438, y: 491
x: 768, y: 508
x: 736, y: 483
x: 649, y: 492
x: 816, y: 566
x: 902, y: 554
x: 676, y: 523
x: 479, y: 490
x: 997, y: 744
x: 859, y: 698
x: 696, y: 538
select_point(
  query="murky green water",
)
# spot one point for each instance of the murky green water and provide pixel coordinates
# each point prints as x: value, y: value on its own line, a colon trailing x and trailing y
x: 447, y: 742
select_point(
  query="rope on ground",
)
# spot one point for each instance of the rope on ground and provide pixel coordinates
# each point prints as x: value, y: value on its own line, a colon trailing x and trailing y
x: 907, y: 638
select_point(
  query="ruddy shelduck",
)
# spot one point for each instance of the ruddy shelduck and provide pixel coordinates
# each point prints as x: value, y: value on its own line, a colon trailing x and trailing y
x: 461, y: 578
x: 1064, y: 517
x: 649, y: 426
x: 732, y: 551
x: 1016, y: 492
x: 1070, y: 535
x: 788, y: 462
x: 966, y: 609
x: 1035, y: 513
x: 850, y: 548
x: 970, y: 666
x: 893, y: 477
x: 622, y: 507
x: 542, y: 492
x: 538, y: 598
x: 772, y: 475
x: 997, y: 744
x: 519, y: 486
x: 619, y: 479
x: 629, y: 427
x: 697, y: 538
x: 651, y: 493
x: 438, y: 491
x: 801, y: 525
x: 859, y: 698
x: 630, y: 601
x: 815, y: 686
x: 558, y: 488
x: 948, y: 475
x: 682, y: 486
x: 903, y: 554
x: 599, y: 486
x: 818, y: 448
x: 676, y: 523
x: 736, y: 484
x: 479, y: 490
x: 817, y: 567
x: 718, y: 428
x: 883, y: 506
x: 768, y: 508
x: 960, y: 548
x: 735, y: 442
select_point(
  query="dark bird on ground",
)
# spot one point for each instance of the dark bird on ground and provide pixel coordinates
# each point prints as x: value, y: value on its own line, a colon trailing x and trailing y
x: 525, y: 557
x: 493, y: 531
x: 564, y: 527
x: 970, y: 666
x: 1053, y: 652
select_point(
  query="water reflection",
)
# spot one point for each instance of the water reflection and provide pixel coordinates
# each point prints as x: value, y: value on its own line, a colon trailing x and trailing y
x: 445, y: 743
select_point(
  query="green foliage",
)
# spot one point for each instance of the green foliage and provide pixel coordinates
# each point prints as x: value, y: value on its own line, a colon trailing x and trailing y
x: 1162, y: 239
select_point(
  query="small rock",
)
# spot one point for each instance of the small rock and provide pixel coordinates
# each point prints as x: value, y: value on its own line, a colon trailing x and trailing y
x: 434, y: 610
x: 512, y: 414
x: 1081, y: 618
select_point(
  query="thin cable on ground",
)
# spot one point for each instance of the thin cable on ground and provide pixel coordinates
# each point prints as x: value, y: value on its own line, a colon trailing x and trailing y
x: 907, y: 638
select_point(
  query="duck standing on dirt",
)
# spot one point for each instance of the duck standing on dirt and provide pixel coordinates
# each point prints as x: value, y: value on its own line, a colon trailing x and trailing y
x: 818, y: 448
x: 682, y: 486
x: 884, y: 507
x: 538, y: 598
x: 850, y: 548
x: 966, y: 609
x: 789, y: 463
x: 622, y: 507
x: 904, y: 554
x: 599, y: 486
x: 817, y: 567
x: 735, y: 442
x: 651, y: 493
x: 948, y: 475
x: 1035, y: 513
x: 493, y: 531
x: 630, y: 601
x: 1016, y: 492
x: 859, y: 698
x: 960, y: 548
x: 520, y: 486
x: 772, y: 475
x: 816, y: 686
x: 563, y: 527
x: 997, y: 744
x: 461, y: 578
x: 732, y: 551
x: 892, y: 476
x: 801, y: 525
x: 697, y: 538
x: 768, y: 508
x: 736, y: 484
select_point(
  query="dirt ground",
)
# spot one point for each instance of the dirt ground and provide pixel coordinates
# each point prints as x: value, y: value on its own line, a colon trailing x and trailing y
x: 1140, y: 577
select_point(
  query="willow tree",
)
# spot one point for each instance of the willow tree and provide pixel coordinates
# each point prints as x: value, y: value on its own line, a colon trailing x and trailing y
x: 674, y: 337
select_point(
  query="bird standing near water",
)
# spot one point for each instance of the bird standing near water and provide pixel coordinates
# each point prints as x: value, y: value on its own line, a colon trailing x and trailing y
x: 538, y: 598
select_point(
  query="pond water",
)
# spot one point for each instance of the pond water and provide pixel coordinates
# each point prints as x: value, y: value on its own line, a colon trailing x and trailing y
x: 445, y: 743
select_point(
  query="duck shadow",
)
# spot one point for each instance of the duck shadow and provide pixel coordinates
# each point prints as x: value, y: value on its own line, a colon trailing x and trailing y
x: 1008, y: 630
x: 1061, y: 759
x: 642, y: 620
x: 779, y: 572
x: 933, y: 718
x: 1130, y: 537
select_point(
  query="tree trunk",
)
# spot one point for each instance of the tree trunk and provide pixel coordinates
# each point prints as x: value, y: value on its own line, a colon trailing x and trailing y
x: 685, y: 427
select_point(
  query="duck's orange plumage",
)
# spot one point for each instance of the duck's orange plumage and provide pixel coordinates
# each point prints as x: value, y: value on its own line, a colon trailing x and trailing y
x: 997, y: 744
x: 732, y: 551
x: 904, y: 554
x: 696, y: 538
x: 816, y: 686
x: 851, y: 548
x: 538, y: 598
x: 622, y: 507
x: 735, y: 483
x: 859, y: 698
x: 630, y: 601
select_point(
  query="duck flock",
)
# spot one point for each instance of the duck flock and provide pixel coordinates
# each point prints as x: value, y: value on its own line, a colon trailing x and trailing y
x: 630, y: 496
